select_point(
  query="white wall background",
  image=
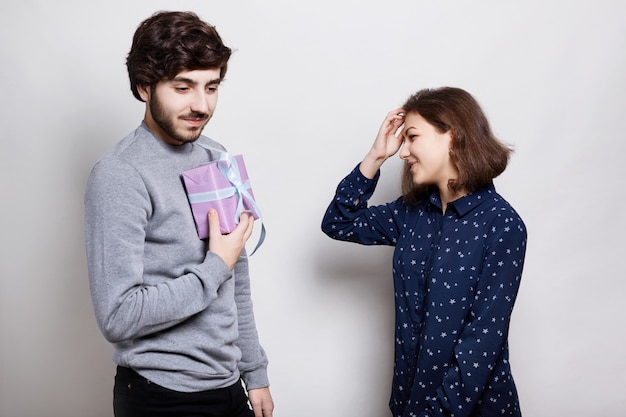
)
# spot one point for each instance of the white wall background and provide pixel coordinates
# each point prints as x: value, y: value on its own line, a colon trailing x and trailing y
x: 306, y: 91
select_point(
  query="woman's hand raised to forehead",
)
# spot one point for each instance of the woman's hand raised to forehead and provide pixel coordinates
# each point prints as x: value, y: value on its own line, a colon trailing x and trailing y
x: 387, y: 143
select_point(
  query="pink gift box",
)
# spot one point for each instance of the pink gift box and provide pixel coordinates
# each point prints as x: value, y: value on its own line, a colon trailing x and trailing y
x: 223, y: 185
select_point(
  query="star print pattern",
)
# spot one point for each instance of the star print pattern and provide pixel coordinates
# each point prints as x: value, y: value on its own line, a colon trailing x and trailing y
x: 456, y: 276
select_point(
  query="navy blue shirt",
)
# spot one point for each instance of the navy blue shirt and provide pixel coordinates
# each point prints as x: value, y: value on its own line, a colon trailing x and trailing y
x: 456, y: 277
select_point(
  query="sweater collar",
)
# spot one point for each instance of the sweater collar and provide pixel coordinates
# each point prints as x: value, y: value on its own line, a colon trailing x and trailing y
x: 181, y: 149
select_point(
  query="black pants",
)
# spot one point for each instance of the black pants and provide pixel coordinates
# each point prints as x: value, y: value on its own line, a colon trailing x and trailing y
x: 135, y: 396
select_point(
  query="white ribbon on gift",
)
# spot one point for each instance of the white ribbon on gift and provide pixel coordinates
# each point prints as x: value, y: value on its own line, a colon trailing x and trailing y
x: 222, y: 194
x: 229, y: 168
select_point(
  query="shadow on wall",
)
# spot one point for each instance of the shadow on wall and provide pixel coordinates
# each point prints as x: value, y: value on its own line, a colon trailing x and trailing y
x: 358, y: 286
x: 354, y: 263
x: 361, y: 275
x: 89, y: 141
x: 66, y: 359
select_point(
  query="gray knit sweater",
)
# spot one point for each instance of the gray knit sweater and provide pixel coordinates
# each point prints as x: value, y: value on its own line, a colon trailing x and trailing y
x: 174, y: 312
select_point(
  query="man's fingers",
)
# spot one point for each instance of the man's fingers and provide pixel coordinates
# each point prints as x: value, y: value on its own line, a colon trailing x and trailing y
x: 248, y: 220
x: 214, y: 223
x: 243, y: 229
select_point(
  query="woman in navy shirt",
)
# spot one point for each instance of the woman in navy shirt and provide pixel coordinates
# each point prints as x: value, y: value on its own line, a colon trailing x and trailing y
x: 459, y: 253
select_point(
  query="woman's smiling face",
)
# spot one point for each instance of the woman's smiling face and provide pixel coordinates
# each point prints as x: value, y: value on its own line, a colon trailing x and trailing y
x: 427, y: 152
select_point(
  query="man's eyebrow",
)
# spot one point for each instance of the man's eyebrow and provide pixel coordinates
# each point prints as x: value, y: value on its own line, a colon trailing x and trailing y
x: 189, y: 81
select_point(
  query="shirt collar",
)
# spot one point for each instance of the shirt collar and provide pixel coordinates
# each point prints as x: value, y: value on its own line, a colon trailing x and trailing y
x: 468, y: 202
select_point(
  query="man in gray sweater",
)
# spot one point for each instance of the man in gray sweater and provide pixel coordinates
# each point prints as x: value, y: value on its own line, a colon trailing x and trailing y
x: 177, y: 309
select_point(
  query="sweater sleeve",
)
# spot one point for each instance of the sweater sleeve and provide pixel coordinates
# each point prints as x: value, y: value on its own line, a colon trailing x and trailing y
x: 117, y: 209
x: 349, y: 218
x: 253, y: 364
x: 481, y: 353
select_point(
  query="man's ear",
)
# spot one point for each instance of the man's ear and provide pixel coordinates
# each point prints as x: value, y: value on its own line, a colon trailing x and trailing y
x: 144, y: 92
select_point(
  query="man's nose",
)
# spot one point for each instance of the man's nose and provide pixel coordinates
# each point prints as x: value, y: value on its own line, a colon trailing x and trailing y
x: 200, y: 103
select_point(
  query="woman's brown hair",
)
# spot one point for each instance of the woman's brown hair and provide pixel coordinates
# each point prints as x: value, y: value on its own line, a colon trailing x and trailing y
x: 474, y: 150
x: 170, y: 42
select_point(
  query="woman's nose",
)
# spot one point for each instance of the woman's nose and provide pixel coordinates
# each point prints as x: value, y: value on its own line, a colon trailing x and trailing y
x: 404, y: 152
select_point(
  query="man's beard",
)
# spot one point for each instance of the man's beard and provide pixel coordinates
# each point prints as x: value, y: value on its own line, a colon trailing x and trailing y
x: 167, y: 124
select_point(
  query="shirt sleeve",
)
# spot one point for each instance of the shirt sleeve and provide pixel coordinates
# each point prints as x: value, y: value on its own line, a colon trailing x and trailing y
x: 349, y: 218
x: 117, y: 208
x: 481, y: 352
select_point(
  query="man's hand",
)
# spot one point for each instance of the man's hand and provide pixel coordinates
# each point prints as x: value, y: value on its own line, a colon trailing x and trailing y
x: 261, y: 401
x: 229, y: 247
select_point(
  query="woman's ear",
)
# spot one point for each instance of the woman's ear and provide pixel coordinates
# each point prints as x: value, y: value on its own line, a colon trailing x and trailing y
x: 451, y: 142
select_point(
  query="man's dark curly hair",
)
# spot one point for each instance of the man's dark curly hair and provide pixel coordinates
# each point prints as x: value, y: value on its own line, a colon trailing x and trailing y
x: 170, y: 42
